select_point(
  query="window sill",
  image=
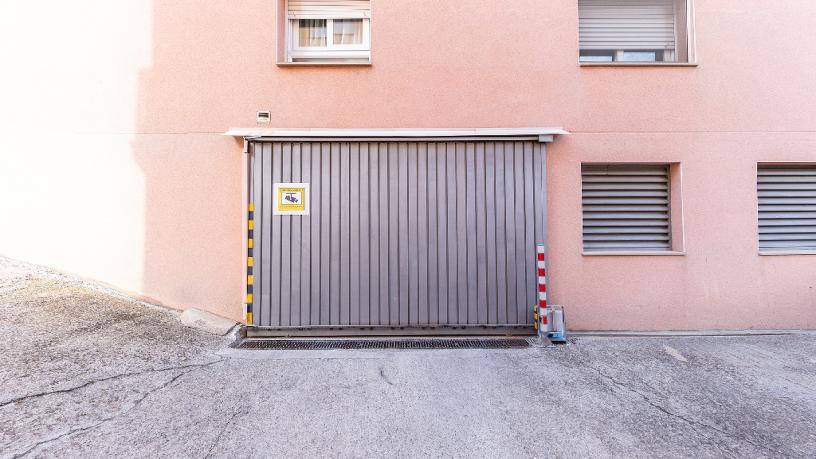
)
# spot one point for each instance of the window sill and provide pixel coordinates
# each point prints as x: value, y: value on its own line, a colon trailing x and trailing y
x: 782, y: 253
x: 637, y: 64
x: 323, y: 64
x: 634, y: 253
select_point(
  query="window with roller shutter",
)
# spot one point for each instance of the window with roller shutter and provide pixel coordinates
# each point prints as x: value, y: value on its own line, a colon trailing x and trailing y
x: 626, y: 207
x: 633, y: 30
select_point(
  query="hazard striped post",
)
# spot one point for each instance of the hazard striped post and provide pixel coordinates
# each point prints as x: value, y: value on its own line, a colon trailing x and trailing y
x: 542, y: 282
x: 250, y: 261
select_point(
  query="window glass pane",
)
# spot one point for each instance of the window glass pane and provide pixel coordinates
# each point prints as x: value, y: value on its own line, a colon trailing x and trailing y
x: 348, y: 31
x: 311, y: 32
x: 640, y: 56
x: 597, y: 56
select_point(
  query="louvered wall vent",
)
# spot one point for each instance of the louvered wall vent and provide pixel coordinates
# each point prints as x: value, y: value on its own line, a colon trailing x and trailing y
x: 626, y: 207
x: 787, y: 208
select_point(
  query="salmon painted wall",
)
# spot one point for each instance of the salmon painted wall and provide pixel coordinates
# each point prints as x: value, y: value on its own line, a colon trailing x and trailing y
x: 113, y: 166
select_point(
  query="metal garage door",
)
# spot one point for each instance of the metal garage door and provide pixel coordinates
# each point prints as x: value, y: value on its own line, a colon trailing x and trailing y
x: 430, y: 237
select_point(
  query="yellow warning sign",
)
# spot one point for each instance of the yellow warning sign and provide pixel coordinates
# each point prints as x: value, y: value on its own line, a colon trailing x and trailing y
x: 291, y: 199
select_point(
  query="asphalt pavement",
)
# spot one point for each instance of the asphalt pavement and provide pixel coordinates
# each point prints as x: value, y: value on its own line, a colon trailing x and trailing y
x: 87, y: 371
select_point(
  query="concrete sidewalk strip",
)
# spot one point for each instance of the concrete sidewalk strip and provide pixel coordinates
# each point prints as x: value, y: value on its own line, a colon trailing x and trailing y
x: 85, y: 374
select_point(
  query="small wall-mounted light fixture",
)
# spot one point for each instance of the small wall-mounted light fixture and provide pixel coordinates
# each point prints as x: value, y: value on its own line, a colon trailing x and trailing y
x: 264, y: 117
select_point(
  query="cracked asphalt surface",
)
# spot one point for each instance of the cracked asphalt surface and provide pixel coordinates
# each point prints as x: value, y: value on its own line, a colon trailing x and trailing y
x: 90, y: 372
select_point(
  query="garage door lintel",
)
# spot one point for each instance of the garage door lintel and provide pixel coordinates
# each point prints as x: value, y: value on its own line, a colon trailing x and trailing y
x: 542, y: 134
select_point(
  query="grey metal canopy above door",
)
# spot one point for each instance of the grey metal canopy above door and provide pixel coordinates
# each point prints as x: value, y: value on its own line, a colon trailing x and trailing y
x: 401, y: 237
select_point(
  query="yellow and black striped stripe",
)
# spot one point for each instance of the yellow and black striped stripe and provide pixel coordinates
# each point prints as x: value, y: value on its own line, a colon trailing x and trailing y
x: 250, y: 261
x: 536, y: 316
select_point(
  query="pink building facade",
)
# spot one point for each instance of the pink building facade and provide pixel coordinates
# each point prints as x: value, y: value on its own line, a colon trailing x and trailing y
x: 115, y: 165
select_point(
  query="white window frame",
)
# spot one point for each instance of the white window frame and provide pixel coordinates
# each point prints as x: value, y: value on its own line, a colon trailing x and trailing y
x: 353, y: 53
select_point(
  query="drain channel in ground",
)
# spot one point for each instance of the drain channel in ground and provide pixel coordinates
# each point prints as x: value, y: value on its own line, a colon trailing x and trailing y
x: 326, y: 344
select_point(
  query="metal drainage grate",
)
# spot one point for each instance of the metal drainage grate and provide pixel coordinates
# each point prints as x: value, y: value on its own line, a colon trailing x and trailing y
x: 326, y: 344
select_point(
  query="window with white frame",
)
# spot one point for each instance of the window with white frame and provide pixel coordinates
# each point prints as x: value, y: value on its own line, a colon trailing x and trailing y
x: 634, y: 31
x: 329, y: 31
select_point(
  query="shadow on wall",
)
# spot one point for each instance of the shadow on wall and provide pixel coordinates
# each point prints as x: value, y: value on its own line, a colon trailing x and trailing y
x: 192, y: 174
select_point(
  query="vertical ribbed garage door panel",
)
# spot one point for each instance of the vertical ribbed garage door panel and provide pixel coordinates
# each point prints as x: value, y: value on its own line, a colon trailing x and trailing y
x: 286, y: 244
x: 325, y: 227
x: 400, y: 234
x: 275, y: 242
x: 480, y: 236
x: 787, y: 207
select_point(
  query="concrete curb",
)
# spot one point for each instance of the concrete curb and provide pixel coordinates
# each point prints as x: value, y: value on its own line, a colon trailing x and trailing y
x: 206, y: 321
x: 691, y: 333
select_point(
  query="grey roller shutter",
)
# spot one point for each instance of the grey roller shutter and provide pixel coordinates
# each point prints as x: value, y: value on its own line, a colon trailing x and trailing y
x: 626, y: 24
x: 787, y: 207
x: 626, y: 207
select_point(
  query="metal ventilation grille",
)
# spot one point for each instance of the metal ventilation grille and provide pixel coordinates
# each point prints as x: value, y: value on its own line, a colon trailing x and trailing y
x: 327, y: 344
x: 787, y: 207
x: 626, y: 207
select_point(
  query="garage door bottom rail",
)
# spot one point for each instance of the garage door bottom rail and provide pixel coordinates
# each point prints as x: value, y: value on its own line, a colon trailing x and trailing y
x: 346, y: 331
x: 308, y: 344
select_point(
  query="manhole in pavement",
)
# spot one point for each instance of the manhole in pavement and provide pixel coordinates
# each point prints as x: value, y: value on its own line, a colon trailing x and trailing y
x: 326, y: 344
